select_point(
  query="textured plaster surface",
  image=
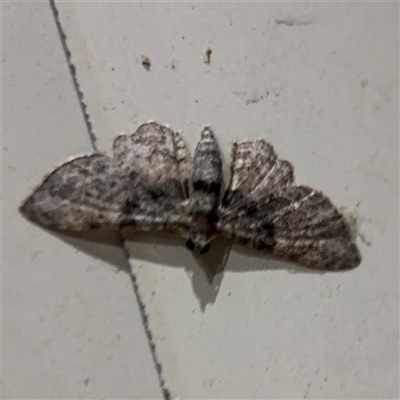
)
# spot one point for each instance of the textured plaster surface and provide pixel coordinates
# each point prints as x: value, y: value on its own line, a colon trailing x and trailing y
x: 320, y: 82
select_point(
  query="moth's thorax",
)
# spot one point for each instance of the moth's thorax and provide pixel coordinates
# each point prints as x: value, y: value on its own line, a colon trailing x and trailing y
x: 207, y: 165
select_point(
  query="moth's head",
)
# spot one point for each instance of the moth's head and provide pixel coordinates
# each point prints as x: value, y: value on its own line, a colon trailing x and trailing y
x: 198, y: 244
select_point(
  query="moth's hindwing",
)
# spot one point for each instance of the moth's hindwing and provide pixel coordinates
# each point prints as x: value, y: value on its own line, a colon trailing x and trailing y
x: 158, y: 156
x: 158, y: 162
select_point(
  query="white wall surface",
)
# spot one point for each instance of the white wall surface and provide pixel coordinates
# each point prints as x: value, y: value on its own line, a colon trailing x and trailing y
x: 317, y: 80
x: 71, y: 324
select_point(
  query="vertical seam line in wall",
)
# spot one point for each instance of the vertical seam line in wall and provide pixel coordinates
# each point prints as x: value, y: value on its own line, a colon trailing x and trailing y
x: 145, y: 320
x: 132, y: 275
x: 72, y: 70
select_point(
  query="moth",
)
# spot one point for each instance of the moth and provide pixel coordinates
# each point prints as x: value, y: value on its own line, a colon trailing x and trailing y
x: 152, y: 183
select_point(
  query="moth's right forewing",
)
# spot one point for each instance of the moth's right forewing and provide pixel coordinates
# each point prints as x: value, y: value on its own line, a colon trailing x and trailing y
x: 85, y: 193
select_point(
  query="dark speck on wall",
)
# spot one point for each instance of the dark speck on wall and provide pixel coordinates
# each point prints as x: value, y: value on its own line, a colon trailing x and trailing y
x: 146, y: 63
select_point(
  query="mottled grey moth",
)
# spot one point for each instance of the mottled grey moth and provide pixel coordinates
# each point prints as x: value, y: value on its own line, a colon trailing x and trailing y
x: 151, y: 183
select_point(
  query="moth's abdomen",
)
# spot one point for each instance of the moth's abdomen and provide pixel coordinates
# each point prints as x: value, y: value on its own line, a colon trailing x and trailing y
x: 207, y: 166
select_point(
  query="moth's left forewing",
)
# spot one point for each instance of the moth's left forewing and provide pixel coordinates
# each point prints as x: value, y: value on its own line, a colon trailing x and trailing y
x: 294, y: 223
x: 309, y: 229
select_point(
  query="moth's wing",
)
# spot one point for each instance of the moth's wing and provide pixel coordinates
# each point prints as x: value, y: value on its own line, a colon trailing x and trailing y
x: 311, y: 231
x: 157, y: 155
x: 85, y: 193
x: 158, y: 158
x: 295, y: 223
x: 256, y: 171
x: 143, y: 186
x: 298, y: 224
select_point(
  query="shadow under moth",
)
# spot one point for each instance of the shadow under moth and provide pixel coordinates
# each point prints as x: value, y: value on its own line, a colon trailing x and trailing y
x: 152, y: 183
